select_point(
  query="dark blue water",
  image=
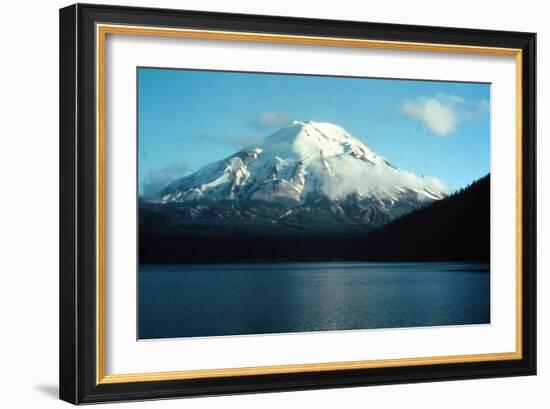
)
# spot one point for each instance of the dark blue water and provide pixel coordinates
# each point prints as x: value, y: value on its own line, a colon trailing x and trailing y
x: 235, y: 299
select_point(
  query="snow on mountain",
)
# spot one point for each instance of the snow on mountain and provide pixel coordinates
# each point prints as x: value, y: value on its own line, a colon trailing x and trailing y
x: 301, y: 162
x: 308, y: 177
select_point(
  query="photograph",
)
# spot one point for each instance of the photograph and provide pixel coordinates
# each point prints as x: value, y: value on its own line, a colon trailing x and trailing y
x: 279, y: 203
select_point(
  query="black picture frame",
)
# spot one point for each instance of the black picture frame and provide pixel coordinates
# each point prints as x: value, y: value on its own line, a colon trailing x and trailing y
x: 78, y: 308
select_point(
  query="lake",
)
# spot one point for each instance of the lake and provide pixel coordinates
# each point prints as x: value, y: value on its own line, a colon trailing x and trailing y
x: 238, y: 299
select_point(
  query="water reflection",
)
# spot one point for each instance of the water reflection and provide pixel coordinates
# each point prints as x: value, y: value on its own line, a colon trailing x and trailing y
x: 235, y: 299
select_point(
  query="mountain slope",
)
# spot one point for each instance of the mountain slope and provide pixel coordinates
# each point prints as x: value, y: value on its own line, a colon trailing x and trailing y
x: 456, y: 228
x: 303, y: 159
x: 307, y: 177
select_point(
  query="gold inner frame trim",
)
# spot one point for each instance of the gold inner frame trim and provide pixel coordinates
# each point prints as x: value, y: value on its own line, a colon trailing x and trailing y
x: 101, y: 32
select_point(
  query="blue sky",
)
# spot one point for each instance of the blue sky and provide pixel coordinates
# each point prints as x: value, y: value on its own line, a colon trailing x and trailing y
x: 188, y: 118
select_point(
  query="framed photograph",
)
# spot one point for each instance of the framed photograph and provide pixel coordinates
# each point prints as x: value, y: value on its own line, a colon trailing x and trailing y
x: 257, y: 203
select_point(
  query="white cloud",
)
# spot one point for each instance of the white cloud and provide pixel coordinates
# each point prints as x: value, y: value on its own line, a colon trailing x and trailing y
x: 352, y: 176
x: 244, y: 141
x: 484, y: 106
x: 443, y: 113
x: 157, y: 179
x: 237, y: 141
x: 269, y: 120
x: 438, y: 116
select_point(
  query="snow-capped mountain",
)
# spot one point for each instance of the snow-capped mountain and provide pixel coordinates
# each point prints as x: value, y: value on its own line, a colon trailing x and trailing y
x: 307, y: 175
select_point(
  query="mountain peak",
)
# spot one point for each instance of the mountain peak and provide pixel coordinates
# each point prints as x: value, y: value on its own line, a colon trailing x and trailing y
x: 306, y: 161
x: 310, y: 141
